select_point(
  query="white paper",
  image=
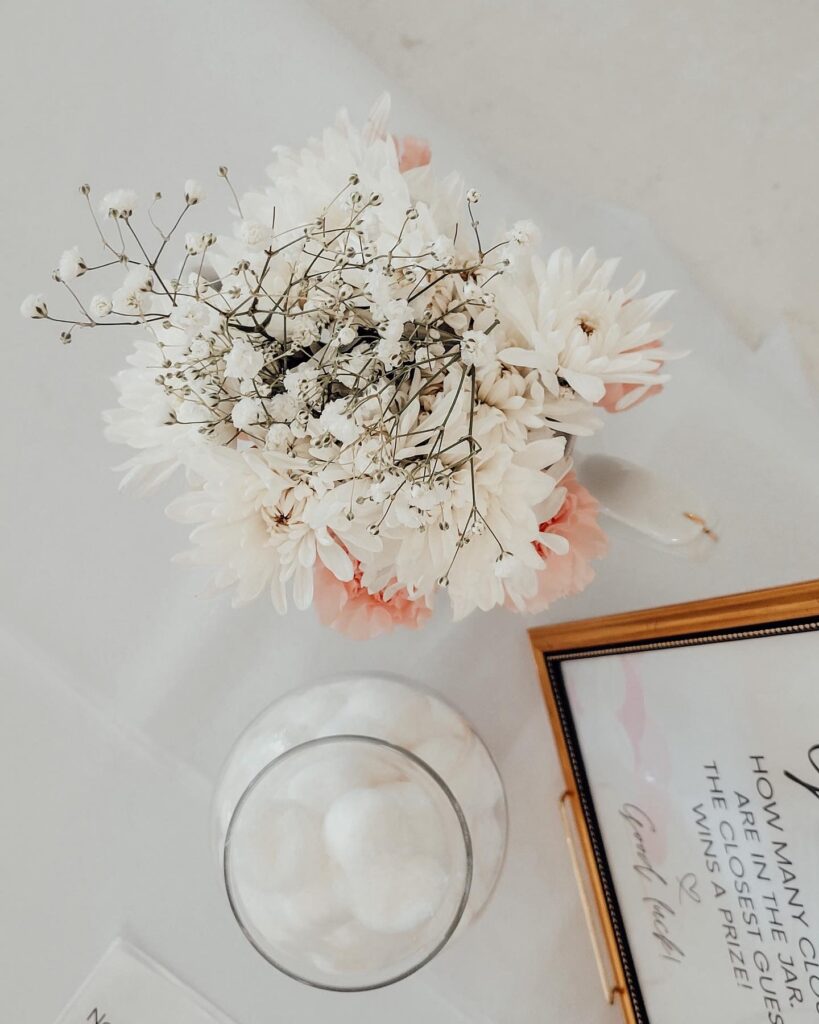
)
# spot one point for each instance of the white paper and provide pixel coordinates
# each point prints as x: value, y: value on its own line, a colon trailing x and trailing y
x: 128, y: 987
x: 703, y: 765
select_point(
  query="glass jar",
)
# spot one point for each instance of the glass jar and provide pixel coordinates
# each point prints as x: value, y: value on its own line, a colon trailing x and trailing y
x: 358, y: 824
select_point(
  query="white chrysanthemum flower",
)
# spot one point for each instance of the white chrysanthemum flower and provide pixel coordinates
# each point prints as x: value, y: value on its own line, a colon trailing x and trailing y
x: 258, y: 529
x: 100, y: 306
x: 71, y: 265
x: 575, y: 328
x: 194, y: 192
x: 34, y: 307
x: 146, y: 419
x: 119, y: 204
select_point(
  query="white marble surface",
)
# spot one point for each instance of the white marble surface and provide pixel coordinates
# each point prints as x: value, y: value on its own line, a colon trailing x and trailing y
x: 122, y: 691
x: 699, y: 115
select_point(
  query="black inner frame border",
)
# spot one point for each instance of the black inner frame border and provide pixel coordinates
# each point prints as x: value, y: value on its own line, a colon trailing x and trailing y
x: 553, y: 661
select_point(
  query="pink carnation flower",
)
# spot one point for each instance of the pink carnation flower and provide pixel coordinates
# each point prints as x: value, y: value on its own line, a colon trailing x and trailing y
x: 615, y: 397
x: 412, y: 152
x: 567, y: 574
x: 351, y: 609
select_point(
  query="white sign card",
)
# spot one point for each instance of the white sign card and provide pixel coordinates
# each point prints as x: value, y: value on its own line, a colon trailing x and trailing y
x: 699, y: 775
x: 128, y: 987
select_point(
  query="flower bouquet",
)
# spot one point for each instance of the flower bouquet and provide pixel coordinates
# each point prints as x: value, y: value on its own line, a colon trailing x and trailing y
x: 370, y: 401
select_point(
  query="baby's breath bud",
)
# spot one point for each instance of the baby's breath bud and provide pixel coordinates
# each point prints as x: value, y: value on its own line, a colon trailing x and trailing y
x: 34, y: 306
x: 65, y: 337
x: 223, y: 171
x: 473, y: 195
x: 354, y: 179
x: 412, y: 213
x: 72, y: 265
x: 194, y: 192
x: 376, y: 199
x: 85, y: 190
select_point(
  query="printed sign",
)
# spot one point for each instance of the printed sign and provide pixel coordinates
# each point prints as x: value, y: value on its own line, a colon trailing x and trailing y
x: 127, y: 987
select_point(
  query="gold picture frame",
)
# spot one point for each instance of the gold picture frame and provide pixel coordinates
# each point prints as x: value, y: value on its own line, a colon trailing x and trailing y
x: 784, y: 609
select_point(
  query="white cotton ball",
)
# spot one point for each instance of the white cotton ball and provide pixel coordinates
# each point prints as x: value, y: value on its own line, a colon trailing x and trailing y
x: 445, y: 720
x: 398, y: 895
x: 389, y: 711
x: 317, y: 905
x: 345, y: 937
x: 276, y: 845
x: 444, y: 754
x: 265, y: 914
x: 302, y: 715
x: 351, y: 948
x: 475, y: 780
x: 336, y: 771
x: 248, y: 761
x: 395, y: 821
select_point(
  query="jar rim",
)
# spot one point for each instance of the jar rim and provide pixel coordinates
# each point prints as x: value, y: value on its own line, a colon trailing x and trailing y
x: 451, y: 799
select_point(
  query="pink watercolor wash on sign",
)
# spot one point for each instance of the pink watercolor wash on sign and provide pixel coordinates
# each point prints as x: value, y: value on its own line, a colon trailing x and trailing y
x: 652, y: 759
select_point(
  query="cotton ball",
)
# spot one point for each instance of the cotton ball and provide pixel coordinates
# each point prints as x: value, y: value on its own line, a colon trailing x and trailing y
x: 389, y: 711
x: 350, y: 947
x: 400, y: 895
x: 444, y: 754
x: 318, y: 904
x: 302, y: 715
x: 474, y: 780
x: 445, y: 720
x: 265, y: 914
x: 347, y: 936
x: 341, y: 769
x: 252, y: 757
x: 276, y: 845
x: 389, y: 822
